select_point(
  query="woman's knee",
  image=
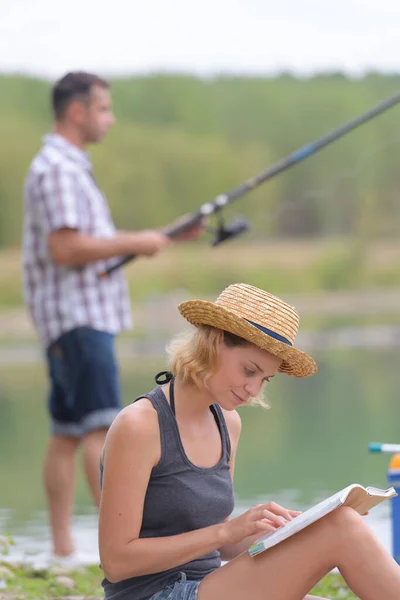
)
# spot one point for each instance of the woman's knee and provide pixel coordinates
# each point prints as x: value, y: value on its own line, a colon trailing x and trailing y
x: 345, y: 514
x: 345, y: 521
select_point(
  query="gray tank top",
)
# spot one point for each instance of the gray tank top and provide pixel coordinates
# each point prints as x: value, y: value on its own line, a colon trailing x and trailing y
x: 180, y: 497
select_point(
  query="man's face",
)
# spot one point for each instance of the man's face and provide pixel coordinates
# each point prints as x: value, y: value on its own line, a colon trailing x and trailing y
x: 97, y: 116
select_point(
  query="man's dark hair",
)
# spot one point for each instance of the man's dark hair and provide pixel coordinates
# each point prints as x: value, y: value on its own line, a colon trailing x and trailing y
x: 75, y: 85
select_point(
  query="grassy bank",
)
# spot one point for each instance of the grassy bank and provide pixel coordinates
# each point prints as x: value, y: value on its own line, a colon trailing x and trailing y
x: 85, y: 584
x: 56, y: 582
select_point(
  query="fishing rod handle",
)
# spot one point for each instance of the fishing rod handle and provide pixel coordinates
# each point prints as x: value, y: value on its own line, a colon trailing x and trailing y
x: 169, y: 232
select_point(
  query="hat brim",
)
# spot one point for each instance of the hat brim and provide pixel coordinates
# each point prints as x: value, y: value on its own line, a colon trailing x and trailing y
x: 202, y: 312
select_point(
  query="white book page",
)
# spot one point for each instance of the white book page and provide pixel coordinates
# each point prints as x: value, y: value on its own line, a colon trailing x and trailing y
x: 306, y: 518
x: 373, y: 491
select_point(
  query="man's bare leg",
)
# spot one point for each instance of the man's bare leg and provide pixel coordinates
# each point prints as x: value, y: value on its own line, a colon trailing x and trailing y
x: 59, y: 480
x: 92, y: 444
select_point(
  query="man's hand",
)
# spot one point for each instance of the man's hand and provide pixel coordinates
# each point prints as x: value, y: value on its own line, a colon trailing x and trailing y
x: 192, y: 233
x: 148, y: 242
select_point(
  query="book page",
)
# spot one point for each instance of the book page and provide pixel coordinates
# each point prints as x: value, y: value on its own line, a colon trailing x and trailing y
x: 373, y: 491
x: 291, y: 527
x: 362, y: 501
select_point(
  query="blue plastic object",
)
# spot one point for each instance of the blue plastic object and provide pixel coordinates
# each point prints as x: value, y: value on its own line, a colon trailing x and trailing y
x: 393, y: 477
x: 375, y: 447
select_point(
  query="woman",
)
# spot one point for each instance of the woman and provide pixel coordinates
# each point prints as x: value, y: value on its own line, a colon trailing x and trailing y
x: 168, y: 466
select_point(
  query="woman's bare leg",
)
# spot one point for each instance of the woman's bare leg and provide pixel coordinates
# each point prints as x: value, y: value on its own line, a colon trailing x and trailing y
x: 291, y: 569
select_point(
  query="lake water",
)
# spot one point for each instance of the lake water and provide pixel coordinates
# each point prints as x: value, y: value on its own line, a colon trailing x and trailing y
x: 311, y: 442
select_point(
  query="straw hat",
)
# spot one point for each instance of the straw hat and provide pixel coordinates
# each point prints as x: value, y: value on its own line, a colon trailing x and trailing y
x: 258, y: 317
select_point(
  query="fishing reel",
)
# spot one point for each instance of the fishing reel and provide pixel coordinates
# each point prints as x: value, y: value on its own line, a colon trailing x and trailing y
x: 225, y: 232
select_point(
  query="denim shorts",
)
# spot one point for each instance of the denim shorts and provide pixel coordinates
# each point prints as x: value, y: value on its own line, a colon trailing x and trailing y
x: 84, y: 382
x: 183, y: 589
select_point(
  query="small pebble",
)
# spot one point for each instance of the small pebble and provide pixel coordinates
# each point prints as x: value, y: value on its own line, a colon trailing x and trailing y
x: 65, y: 582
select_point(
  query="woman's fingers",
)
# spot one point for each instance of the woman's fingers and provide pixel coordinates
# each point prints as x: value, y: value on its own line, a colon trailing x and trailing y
x: 272, y: 524
x: 275, y: 514
x: 266, y: 525
x: 276, y: 520
x: 278, y: 509
x: 272, y: 516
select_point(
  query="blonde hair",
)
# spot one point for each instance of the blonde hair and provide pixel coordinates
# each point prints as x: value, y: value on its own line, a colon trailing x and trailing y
x: 194, y: 356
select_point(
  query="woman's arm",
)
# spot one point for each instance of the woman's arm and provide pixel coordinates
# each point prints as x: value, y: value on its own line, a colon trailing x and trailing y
x: 132, y: 449
x: 230, y: 551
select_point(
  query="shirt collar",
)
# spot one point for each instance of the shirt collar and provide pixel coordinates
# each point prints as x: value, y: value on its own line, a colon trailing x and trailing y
x: 67, y: 149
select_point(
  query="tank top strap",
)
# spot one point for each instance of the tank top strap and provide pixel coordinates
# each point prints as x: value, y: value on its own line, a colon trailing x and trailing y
x: 166, y: 420
x: 157, y: 398
x: 171, y: 444
x: 220, y: 419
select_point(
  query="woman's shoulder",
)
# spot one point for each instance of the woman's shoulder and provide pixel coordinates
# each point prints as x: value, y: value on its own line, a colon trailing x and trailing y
x: 132, y: 443
x: 139, y: 419
x: 134, y: 433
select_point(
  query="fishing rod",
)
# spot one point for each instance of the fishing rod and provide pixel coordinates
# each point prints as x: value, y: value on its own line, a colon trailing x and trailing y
x: 224, y: 232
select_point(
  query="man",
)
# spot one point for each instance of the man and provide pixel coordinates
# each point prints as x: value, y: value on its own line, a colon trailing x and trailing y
x: 69, y: 239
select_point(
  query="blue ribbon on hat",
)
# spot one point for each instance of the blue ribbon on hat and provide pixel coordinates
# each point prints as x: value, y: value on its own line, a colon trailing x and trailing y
x: 271, y: 333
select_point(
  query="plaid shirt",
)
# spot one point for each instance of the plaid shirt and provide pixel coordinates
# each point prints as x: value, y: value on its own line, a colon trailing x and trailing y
x: 60, y: 191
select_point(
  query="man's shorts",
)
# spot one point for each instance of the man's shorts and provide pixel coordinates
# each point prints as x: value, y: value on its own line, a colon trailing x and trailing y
x: 85, y: 391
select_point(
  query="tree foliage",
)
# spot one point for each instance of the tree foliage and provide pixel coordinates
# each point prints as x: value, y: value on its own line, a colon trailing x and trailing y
x: 181, y: 140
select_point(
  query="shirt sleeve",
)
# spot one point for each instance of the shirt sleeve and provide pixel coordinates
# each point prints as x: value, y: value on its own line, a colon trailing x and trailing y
x: 59, y: 199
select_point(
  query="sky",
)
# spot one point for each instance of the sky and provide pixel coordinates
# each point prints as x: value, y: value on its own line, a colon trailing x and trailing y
x: 207, y: 37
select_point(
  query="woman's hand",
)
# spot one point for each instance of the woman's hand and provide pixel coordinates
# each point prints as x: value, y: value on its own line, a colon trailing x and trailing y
x: 260, y: 519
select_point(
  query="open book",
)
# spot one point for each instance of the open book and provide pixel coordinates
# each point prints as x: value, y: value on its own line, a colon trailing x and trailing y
x: 357, y: 496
